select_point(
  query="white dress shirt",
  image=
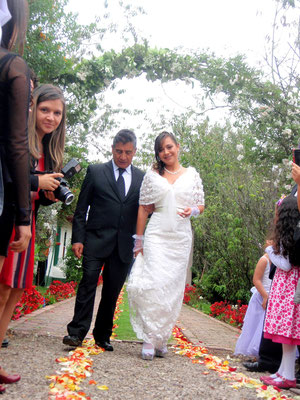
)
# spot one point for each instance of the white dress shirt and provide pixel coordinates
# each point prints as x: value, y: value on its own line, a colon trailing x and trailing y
x: 127, y: 175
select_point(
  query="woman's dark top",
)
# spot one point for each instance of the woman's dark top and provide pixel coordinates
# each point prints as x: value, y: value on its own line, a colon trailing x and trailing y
x: 14, y: 151
x: 48, y: 162
x: 34, y: 179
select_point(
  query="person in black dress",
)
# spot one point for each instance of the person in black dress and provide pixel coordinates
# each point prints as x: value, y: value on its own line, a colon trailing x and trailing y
x: 14, y: 152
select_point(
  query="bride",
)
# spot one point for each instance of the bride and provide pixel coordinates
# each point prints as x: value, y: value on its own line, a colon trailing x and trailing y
x: 157, y: 280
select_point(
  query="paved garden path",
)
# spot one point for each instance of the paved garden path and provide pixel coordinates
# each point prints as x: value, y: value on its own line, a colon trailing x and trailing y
x: 198, y: 327
x: 36, y: 342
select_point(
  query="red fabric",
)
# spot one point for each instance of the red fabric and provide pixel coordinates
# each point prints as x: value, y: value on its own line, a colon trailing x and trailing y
x: 17, y: 271
x: 282, y: 339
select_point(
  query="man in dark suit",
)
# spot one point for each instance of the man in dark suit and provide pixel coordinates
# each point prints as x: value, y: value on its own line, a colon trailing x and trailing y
x: 110, y: 196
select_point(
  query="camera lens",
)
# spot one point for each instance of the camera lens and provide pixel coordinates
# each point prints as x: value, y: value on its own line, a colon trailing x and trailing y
x: 63, y: 193
x: 69, y: 198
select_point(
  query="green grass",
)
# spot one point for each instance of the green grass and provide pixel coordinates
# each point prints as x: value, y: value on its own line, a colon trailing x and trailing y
x: 42, y: 289
x: 124, y: 330
x: 204, y: 307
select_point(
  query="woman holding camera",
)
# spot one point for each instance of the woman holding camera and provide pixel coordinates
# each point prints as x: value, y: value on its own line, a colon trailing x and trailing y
x: 46, y: 131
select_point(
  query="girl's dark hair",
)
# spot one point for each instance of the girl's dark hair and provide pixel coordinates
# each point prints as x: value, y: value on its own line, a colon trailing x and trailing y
x: 159, y: 165
x: 286, y: 225
x: 14, y: 31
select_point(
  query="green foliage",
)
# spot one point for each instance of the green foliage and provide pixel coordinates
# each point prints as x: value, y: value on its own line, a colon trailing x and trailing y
x: 124, y: 329
x: 54, y: 39
x: 45, y: 224
x: 240, y: 203
x: 72, y: 268
x: 56, y: 43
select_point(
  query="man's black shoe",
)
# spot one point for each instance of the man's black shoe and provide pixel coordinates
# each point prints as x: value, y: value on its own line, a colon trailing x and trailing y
x: 5, y: 343
x: 72, y: 341
x: 105, y: 345
x: 259, y: 367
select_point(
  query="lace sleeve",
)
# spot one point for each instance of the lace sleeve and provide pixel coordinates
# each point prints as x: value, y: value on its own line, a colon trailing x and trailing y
x: 17, y: 152
x: 198, y: 193
x: 146, y: 191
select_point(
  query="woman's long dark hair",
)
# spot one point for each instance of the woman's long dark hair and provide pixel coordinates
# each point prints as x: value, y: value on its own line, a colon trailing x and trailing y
x: 286, y: 228
x: 160, y: 165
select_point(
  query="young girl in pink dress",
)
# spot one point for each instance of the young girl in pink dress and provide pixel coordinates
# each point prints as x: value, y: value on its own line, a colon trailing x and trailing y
x: 282, y: 323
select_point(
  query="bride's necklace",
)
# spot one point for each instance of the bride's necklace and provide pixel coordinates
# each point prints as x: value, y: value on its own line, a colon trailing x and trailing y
x: 175, y: 172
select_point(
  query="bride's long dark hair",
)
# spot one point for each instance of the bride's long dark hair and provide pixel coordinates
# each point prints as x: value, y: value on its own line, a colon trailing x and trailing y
x: 160, y: 165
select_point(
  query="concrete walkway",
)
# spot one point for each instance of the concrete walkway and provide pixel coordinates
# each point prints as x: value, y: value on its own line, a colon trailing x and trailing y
x: 37, y: 343
x: 197, y: 327
x: 212, y: 333
x: 51, y: 320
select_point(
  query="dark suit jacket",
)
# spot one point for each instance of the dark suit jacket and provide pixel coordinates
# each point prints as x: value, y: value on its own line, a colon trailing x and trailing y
x: 110, y: 221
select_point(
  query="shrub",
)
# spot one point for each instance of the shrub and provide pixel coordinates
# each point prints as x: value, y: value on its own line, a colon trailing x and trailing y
x: 30, y: 301
x: 193, y: 298
x: 60, y: 291
x: 72, y: 268
x: 240, y: 197
x: 232, y: 314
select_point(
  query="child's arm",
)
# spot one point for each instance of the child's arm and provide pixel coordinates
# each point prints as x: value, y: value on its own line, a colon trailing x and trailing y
x: 278, y: 260
x: 257, y: 279
x: 296, y: 177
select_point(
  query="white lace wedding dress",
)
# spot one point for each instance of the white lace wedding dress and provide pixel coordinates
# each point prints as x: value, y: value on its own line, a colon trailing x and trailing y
x: 157, y: 280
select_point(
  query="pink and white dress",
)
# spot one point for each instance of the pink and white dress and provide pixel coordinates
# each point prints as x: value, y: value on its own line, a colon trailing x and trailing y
x: 282, y: 323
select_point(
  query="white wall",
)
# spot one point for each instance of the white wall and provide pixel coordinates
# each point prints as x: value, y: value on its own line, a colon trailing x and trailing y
x: 65, y: 240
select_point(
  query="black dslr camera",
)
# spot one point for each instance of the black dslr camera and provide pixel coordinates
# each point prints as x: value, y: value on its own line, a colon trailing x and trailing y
x: 63, y: 193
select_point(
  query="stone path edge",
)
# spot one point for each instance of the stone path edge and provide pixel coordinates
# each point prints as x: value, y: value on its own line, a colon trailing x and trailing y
x: 35, y: 313
x: 233, y: 328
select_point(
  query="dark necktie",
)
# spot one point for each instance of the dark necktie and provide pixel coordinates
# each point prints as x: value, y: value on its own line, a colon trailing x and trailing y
x: 121, y: 183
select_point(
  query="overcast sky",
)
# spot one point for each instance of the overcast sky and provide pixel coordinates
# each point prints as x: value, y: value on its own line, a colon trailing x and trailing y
x: 223, y: 26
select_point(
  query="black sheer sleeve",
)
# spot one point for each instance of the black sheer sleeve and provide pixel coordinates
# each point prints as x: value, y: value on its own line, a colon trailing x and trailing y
x: 14, y: 135
x: 34, y: 183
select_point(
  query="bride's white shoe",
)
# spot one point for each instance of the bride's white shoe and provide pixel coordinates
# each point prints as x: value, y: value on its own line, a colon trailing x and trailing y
x: 147, y: 351
x: 161, y: 352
